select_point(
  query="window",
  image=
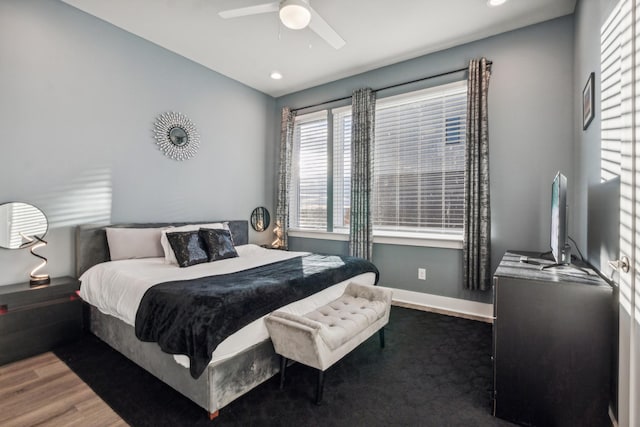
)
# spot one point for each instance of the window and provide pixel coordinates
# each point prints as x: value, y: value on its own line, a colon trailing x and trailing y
x: 419, y: 161
x: 309, y: 172
x: 418, y: 166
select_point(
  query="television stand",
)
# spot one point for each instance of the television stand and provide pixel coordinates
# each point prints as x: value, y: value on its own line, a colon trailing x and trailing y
x: 552, y: 342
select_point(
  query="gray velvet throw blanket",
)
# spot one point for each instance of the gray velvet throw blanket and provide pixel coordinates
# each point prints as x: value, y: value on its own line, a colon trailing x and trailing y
x: 193, y: 316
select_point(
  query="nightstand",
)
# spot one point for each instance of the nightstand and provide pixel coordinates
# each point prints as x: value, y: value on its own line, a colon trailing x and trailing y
x: 36, y: 319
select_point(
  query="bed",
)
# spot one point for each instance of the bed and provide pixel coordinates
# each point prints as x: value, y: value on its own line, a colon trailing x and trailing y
x: 239, y: 363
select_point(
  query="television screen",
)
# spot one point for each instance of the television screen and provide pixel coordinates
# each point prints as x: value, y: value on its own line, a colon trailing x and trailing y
x: 559, y: 222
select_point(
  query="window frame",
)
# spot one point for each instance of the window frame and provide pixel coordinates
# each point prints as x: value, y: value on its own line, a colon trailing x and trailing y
x: 294, y: 191
x: 413, y: 97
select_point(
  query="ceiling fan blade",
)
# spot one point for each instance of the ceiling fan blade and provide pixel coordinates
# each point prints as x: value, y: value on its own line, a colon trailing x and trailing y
x: 250, y: 10
x: 324, y: 30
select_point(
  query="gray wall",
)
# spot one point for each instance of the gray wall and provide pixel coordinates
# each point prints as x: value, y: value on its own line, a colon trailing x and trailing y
x: 531, y: 129
x: 79, y: 99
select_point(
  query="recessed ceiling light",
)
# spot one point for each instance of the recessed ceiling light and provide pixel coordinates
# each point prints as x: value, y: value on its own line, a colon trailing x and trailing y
x: 275, y: 75
x: 494, y: 3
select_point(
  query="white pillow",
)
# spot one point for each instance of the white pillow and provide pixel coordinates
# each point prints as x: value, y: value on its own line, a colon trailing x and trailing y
x: 169, y: 255
x: 128, y: 243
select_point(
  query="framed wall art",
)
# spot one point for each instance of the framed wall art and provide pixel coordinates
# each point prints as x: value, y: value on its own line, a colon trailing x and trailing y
x: 588, y: 102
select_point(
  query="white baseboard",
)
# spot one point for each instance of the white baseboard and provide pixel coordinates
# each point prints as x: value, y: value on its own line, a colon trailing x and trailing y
x: 445, y: 305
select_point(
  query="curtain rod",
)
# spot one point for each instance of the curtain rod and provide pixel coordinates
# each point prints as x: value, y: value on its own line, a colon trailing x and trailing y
x: 433, y: 76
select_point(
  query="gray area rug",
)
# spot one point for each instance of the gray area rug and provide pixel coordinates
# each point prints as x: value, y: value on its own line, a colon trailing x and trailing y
x: 434, y: 371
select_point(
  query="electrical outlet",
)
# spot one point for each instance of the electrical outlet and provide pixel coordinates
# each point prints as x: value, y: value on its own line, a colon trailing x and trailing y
x: 422, y: 274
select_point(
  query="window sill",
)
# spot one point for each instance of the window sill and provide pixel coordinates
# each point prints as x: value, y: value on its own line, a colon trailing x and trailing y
x: 423, y: 239
x: 386, y: 238
x: 316, y: 234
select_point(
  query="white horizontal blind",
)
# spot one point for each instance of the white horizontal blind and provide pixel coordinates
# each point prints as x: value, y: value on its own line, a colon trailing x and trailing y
x: 309, y: 172
x: 341, y: 168
x: 419, y: 161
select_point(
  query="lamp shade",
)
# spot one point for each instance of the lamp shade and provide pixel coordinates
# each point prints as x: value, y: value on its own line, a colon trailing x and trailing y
x: 295, y: 14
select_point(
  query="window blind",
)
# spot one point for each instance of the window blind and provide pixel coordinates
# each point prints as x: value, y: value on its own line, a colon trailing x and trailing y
x: 419, y: 161
x: 309, y: 172
x: 341, y: 168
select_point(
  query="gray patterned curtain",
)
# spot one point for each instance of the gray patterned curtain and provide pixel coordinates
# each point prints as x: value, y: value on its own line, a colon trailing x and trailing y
x: 362, y: 143
x: 284, y: 179
x: 477, y: 217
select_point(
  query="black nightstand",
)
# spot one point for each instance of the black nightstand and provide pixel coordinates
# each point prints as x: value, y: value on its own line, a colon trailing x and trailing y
x: 36, y: 319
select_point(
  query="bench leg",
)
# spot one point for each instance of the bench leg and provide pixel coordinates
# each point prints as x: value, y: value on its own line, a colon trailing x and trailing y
x: 381, y: 334
x: 283, y: 367
x: 319, y: 387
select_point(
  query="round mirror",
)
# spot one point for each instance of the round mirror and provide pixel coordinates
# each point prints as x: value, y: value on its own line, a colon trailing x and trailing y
x: 260, y: 219
x: 18, y: 223
x: 178, y: 136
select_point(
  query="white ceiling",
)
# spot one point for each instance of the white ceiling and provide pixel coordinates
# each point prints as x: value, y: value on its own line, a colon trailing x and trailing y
x: 377, y: 32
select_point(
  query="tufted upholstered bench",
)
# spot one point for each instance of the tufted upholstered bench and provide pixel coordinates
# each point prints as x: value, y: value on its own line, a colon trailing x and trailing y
x: 322, y: 337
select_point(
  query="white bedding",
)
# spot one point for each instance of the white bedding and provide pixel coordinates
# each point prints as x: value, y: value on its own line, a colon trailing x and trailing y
x: 117, y: 287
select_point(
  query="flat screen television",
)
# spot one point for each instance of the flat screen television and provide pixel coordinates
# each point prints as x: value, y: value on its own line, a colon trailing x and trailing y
x: 560, y: 248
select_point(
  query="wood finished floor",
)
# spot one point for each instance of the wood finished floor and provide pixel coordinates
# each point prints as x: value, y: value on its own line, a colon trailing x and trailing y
x: 43, y: 391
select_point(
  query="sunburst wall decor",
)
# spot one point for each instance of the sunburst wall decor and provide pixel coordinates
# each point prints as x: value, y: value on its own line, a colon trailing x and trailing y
x: 176, y: 136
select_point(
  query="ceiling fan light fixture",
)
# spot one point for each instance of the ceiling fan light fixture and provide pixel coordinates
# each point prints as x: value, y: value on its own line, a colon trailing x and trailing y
x: 295, y: 14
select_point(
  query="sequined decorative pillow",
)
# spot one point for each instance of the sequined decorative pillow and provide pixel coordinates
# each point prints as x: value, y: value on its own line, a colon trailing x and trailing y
x: 219, y: 244
x: 169, y: 256
x: 188, y: 247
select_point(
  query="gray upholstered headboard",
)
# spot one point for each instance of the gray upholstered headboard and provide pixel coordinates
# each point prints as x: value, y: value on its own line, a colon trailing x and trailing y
x: 92, y: 247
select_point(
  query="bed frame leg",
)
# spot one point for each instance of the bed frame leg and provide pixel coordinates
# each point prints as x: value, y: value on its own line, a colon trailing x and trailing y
x: 381, y: 335
x: 213, y: 415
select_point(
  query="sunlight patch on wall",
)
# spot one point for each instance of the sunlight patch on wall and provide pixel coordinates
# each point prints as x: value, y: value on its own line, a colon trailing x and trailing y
x: 84, y: 199
x: 610, y: 96
x: 626, y: 241
x: 620, y: 153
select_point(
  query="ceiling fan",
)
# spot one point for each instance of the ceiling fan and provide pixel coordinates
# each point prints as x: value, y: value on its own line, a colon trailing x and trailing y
x: 294, y: 14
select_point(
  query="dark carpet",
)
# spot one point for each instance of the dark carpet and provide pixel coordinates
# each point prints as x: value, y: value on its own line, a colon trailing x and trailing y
x: 435, y: 371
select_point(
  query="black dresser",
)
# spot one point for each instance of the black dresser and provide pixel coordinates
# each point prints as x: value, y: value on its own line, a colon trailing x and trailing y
x: 551, y: 343
x: 36, y: 319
